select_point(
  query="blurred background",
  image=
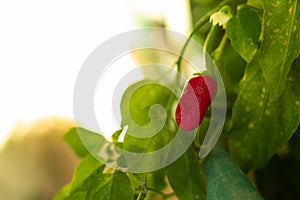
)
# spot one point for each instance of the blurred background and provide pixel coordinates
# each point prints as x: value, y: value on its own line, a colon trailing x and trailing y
x: 43, y: 45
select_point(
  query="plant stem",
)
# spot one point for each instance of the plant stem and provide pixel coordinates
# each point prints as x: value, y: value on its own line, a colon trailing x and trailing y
x: 140, y: 196
x: 142, y: 187
x: 208, y: 43
x: 196, y: 27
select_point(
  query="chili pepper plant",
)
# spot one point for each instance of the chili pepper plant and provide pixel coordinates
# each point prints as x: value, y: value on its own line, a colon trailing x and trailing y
x: 255, y: 46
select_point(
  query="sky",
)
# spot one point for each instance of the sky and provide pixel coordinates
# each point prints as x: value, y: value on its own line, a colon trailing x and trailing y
x: 43, y: 45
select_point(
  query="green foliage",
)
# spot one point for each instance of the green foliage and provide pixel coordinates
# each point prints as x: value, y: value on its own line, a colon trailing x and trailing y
x: 244, y: 30
x: 261, y: 126
x: 225, y: 180
x: 73, y: 140
x: 280, y: 44
x: 137, y: 101
x: 90, y: 182
x: 260, y: 116
x: 84, y: 142
x: 146, y: 123
x: 186, y: 177
x: 256, y: 47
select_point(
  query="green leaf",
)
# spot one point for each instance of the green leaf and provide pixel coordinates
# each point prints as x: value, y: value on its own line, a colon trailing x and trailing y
x: 89, y: 182
x: 73, y: 140
x: 186, y: 177
x: 142, y: 108
x: 231, y: 67
x: 156, y: 180
x: 255, y: 3
x: 225, y: 180
x: 143, y: 145
x: 146, y: 145
x: 64, y: 192
x: 115, y: 136
x: 82, y: 173
x: 280, y: 44
x: 137, y: 112
x: 84, y: 142
x: 113, y: 186
x: 261, y: 126
x: 244, y: 30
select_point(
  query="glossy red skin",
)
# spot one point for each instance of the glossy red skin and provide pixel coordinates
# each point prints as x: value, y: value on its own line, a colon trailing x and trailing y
x: 194, y: 101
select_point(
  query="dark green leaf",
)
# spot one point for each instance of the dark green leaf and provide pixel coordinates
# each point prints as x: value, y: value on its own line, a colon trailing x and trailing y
x: 280, y: 44
x: 231, y: 67
x: 225, y: 180
x: 261, y: 126
x: 186, y: 177
x: 156, y: 180
x: 244, y: 30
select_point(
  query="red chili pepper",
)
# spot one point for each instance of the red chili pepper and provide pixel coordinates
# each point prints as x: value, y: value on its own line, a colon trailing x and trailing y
x: 194, y: 101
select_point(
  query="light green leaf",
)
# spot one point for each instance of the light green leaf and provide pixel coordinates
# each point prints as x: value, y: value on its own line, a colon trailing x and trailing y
x: 261, y: 126
x: 115, y: 136
x: 135, y: 109
x: 84, y: 142
x: 143, y: 108
x: 73, y: 140
x: 244, y: 30
x: 281, y: 42
x: 64, y: 192
x: 186, y: 177
x: 143, y: 145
